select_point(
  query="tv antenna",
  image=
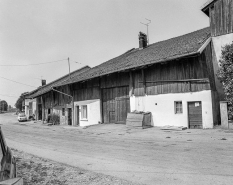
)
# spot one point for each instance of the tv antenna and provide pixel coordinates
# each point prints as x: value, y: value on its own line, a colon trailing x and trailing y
x: 147, y: 25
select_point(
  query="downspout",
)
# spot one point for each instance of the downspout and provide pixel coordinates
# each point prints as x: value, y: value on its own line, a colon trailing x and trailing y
x: 72, y: 102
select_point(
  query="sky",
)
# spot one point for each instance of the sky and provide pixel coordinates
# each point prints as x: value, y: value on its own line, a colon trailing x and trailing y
x: 89, y: 32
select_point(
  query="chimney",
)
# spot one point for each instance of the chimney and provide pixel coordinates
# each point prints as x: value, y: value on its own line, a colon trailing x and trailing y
x: 142, y: 40
x: 43, y: 82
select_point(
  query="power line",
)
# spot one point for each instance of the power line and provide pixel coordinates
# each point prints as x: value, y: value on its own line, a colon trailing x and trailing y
x: 42, y: 63
x: 8, y: 96
x: 17, y: 82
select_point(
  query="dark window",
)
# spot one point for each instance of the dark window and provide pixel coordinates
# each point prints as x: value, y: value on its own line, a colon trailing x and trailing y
x: 63, y: 111
x: 178, y: 107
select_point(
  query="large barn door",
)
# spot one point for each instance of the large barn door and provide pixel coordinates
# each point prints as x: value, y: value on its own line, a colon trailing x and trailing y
x: 195, y: 114
x: 115, y: 104
x: 109, y: 105
x: 122, y: 104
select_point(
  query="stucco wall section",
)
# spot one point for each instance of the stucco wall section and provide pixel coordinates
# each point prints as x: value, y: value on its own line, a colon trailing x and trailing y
x: 93, y: 112
x: 220, y: 41
x: 162, y: 108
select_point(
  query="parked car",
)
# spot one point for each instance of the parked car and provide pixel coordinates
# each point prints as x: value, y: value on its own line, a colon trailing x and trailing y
x: 22, y: 117
x: 8, y: 162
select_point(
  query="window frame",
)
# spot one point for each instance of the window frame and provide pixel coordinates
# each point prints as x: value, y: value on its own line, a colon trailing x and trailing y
x: 178, y: 109
x: 82, y: 112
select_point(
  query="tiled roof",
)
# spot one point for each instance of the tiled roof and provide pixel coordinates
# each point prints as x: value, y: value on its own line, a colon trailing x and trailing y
x: 167, y: 50
x: 46, y: 88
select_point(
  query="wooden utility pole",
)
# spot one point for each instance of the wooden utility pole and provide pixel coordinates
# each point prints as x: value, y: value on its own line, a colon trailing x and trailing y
x: 69, y: 66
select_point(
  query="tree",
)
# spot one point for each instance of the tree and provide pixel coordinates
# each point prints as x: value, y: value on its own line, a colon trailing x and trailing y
x: 3, y: 105
x: 225, y: 74
x: 20, y: 101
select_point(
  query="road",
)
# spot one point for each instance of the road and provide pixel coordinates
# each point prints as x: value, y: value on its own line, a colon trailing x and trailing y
x: 148, y: 156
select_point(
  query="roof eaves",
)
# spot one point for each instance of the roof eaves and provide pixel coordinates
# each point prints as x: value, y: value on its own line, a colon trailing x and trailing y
x: 205, y: 7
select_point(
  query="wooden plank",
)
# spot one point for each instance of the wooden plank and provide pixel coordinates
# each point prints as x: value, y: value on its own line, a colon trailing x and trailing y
x: 143, y: 82
x: 131, y: 84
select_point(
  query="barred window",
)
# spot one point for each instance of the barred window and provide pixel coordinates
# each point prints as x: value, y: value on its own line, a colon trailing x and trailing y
x: 178, y: 107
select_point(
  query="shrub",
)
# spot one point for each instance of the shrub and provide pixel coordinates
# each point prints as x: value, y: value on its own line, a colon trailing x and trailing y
x: 54, y: 119
x: 225, y: 74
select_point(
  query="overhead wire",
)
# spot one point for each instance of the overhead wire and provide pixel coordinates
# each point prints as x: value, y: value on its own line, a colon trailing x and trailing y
x: 8, y: 96
x: 16, y: 82
x: 19, y: 65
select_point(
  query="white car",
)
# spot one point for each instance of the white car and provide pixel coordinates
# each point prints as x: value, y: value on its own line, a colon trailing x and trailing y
x: 22, y: 117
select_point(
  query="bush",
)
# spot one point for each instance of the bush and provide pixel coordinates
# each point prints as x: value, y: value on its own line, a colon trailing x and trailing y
x: 54, y: 119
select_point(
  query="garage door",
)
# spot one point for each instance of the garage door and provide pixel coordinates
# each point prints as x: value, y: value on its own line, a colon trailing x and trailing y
x: 195, y: 114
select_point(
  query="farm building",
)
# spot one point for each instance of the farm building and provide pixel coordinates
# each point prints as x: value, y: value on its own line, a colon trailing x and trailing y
x: 49, y: 101
x: 174, y: 79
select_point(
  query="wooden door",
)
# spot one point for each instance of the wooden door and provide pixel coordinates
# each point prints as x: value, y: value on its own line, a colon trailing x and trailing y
x: 195, y: 114
x: 77, y: 115
x: 39, y: 111
x: 69, y: 116
x: 122, y: 105
x: 116, y: 105
x: 109, y: 105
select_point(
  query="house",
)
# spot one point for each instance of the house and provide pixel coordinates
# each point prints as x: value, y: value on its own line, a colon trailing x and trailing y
x: 173, y: 79
x: 49, y: 100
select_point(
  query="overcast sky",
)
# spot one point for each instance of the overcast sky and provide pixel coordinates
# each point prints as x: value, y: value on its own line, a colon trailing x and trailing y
x: 87, y: 31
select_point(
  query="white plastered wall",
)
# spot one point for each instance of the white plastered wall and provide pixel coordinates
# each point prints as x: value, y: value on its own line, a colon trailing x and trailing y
x: 162, y: 108
x: 93, y: 112
x: 220, y: 41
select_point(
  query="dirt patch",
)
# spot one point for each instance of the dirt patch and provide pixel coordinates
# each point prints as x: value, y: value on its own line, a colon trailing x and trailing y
x: 39, y: 171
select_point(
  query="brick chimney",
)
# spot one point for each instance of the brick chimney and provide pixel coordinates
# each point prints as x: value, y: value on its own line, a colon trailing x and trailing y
x: 43, y: 82
x: 142, y: 40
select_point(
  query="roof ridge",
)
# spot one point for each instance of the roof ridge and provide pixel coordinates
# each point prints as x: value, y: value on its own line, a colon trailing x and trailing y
x: 179, y: 36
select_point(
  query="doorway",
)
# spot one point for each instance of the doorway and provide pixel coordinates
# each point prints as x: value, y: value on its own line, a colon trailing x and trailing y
x: 195, y: 115
x: 69, y: 116
x: 77, y: 115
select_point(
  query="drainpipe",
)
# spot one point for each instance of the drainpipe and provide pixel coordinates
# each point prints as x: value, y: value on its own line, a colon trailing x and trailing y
x: 72, y: 102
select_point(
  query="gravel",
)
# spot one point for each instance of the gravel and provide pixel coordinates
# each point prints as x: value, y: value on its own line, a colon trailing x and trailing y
x: 35, y: 170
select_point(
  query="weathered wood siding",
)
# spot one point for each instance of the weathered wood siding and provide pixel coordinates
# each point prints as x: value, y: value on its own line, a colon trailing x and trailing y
x: 189, y: 68
x: 87, y: 90
x: 221, y: 17
x: 206, y: 58
x: 61, y: 99
x: 116, y: 104
x: 114, y: 80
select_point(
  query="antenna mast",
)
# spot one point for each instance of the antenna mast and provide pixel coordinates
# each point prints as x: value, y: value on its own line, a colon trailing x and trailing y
x: 147, y: 25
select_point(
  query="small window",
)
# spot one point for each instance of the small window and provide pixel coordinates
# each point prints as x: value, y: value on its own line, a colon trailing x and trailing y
x: 63, y: 111
x: 84, y: 111
x: 178, y: 107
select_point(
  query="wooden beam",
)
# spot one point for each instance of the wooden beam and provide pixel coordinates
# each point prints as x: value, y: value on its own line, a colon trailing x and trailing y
x: 186, y: 80
x: 201, y: 49
x: 143, y: 81
x: 131, y: 84
x: 43, y: 110
x: 101, y: 102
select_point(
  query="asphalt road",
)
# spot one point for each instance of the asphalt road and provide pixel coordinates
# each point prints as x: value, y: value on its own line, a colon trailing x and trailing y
x: 148, y: 156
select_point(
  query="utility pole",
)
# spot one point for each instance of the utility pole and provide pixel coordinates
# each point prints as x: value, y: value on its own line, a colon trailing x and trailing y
x: 147, y: 25
x: 69, y: 66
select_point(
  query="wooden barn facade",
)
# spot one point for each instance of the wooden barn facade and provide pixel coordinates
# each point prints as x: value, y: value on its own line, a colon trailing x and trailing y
x: 174, y: 79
